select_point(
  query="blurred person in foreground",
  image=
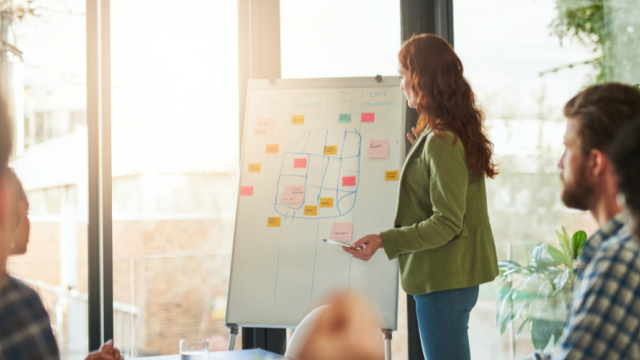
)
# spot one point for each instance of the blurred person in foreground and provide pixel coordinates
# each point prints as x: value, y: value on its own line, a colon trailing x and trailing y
x: 625, y: 154
x: 346, y: 330
x: 25, y: 328
x: 604, y: 310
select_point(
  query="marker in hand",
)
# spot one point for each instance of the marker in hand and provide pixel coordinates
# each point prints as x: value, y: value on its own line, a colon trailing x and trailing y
x: 339, y: 243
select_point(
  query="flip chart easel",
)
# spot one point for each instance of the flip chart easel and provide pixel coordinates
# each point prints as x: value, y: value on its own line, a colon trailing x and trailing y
x: 320, y: 158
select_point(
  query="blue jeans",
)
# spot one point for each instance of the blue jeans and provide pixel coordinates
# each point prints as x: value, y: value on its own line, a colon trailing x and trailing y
x: 443, y: 319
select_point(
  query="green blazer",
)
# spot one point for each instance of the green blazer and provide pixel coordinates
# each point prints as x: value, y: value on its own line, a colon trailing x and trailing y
x: 442, y: 236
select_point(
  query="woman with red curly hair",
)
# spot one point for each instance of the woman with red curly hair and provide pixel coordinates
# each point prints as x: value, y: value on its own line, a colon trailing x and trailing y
x: 442, y: 236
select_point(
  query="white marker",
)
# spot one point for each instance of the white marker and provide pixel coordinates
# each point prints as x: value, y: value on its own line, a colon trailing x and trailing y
x: 339, y: 243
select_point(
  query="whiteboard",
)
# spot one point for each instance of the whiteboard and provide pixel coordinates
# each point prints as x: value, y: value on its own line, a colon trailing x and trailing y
x: 306, y: 167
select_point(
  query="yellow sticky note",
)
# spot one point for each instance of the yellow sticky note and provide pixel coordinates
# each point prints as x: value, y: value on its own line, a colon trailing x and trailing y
x: 331, y: 150
x: 391, y: 175
x: 273, y: 222
x: 311, y: 210
x: 297, y: 119
x: 254, y: 167
x: 326, y: 202
x: 273, y: 148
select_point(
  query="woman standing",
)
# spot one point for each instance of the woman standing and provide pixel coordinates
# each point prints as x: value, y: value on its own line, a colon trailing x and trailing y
x: 442, y: 236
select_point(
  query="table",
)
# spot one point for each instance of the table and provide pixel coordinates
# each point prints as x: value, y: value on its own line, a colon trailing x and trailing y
x: 251, y: 354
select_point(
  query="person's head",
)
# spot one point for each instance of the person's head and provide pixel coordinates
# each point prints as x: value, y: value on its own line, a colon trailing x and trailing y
x: 345, y: 330
x: 595, y: 116
x: 433, y: 82
x: 625, y: 155
x: 5, y: 150
x: 17, y: 216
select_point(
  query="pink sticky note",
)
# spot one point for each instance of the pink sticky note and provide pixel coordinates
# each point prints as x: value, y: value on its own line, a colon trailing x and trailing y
x: 378, y: 149
x: 348, y: 181
x: 293, y: 195
x: 367, y: 117
x: 246, y: 190
x: 264, y: 126
x: 341, y: 231
x: 300, y: 163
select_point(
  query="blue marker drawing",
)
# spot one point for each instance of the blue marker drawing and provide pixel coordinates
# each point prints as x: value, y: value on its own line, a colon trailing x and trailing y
x: 322, y: 177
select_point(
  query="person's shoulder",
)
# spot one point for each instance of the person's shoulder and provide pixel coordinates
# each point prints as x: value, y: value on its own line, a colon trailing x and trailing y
x: 619, y: 253
x: 443, y: 142
x: 18, y: 295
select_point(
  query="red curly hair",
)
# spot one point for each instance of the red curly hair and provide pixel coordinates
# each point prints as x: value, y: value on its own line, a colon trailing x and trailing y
x: 445, y: 99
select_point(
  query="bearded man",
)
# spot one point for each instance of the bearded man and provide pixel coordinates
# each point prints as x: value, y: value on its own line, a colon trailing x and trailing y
x: 604, y: 313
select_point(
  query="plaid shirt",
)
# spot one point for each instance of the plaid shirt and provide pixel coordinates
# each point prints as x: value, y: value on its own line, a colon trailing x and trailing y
x: 604, y: 313
x: 25, y: 330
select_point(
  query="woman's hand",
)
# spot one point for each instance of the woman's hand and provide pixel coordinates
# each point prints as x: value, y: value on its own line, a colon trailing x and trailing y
x: 370, y: 244
x: 414, y: 137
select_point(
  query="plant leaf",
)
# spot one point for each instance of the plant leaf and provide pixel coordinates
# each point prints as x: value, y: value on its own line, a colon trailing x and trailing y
x: 543, y: 330
x: 577, y: 241
x: 537, y: 252
x: 560, y: 281
x: 565, y: 242
x: 559, y: 256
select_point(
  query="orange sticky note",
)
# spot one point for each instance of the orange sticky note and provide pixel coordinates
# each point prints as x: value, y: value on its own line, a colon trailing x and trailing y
x: 326, y: 202
x: 391, y: 175
x: 255, y: 168
x: 273, y: 148
x: 297, y: 119
x: 331, y: 150
x: 246, y: 190
x: 273, y: 222
x: 311, y: 210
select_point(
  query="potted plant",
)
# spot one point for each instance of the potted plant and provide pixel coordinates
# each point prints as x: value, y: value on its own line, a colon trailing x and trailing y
x: 537, y: 293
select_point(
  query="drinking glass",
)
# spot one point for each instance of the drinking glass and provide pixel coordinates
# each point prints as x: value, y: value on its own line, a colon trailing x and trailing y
x: 194, y: 349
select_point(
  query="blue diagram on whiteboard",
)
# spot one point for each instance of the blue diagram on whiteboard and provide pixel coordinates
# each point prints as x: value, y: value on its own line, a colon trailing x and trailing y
x: 323, y: 169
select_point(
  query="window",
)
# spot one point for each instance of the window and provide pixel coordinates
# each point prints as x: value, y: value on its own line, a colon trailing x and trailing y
x: 47, y: 74
x: 339, y: 38
x: 174, y: 162
x: 524, y: 65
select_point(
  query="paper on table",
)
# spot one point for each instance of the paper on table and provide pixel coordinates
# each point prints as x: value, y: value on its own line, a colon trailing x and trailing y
x: 348, y: 181
x: 300, y: 163
x: 293, y: 195
x: 378, y: 149
x: 264, y: 126
x: 342, y: 231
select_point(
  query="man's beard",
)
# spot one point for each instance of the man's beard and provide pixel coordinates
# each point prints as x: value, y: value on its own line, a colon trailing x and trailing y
x: 578, y: 194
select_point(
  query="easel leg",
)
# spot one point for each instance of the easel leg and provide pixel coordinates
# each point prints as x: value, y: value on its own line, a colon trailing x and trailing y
x: 387, y: 344
x: 233, y: 332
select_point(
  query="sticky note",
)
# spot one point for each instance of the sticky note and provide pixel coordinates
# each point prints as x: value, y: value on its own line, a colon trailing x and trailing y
x: 300, y: 163
x: 273, y: 222
x: 297, y: 119
x: 341, y: 231
x: 273, y: 148
x: 246, y: 190
x: 326, y: 202
x: 348, y: 181
x: 331, y: 150
x: 293, y: 195
x: 311, y: 210
x: 391, y: 175
x: 344, y: 118
x: 378, y: 149
x: 367, y: 117
x: 264, y: 126
x: 255, y: 167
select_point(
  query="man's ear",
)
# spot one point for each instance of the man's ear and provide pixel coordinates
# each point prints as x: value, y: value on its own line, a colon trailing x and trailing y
x: 599, y: 164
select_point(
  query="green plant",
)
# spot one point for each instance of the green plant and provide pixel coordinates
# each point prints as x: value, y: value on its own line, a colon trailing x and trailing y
x: 537, y: 293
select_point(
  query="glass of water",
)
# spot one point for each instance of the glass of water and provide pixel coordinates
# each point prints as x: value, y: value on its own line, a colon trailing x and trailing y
x: 194, y: 349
